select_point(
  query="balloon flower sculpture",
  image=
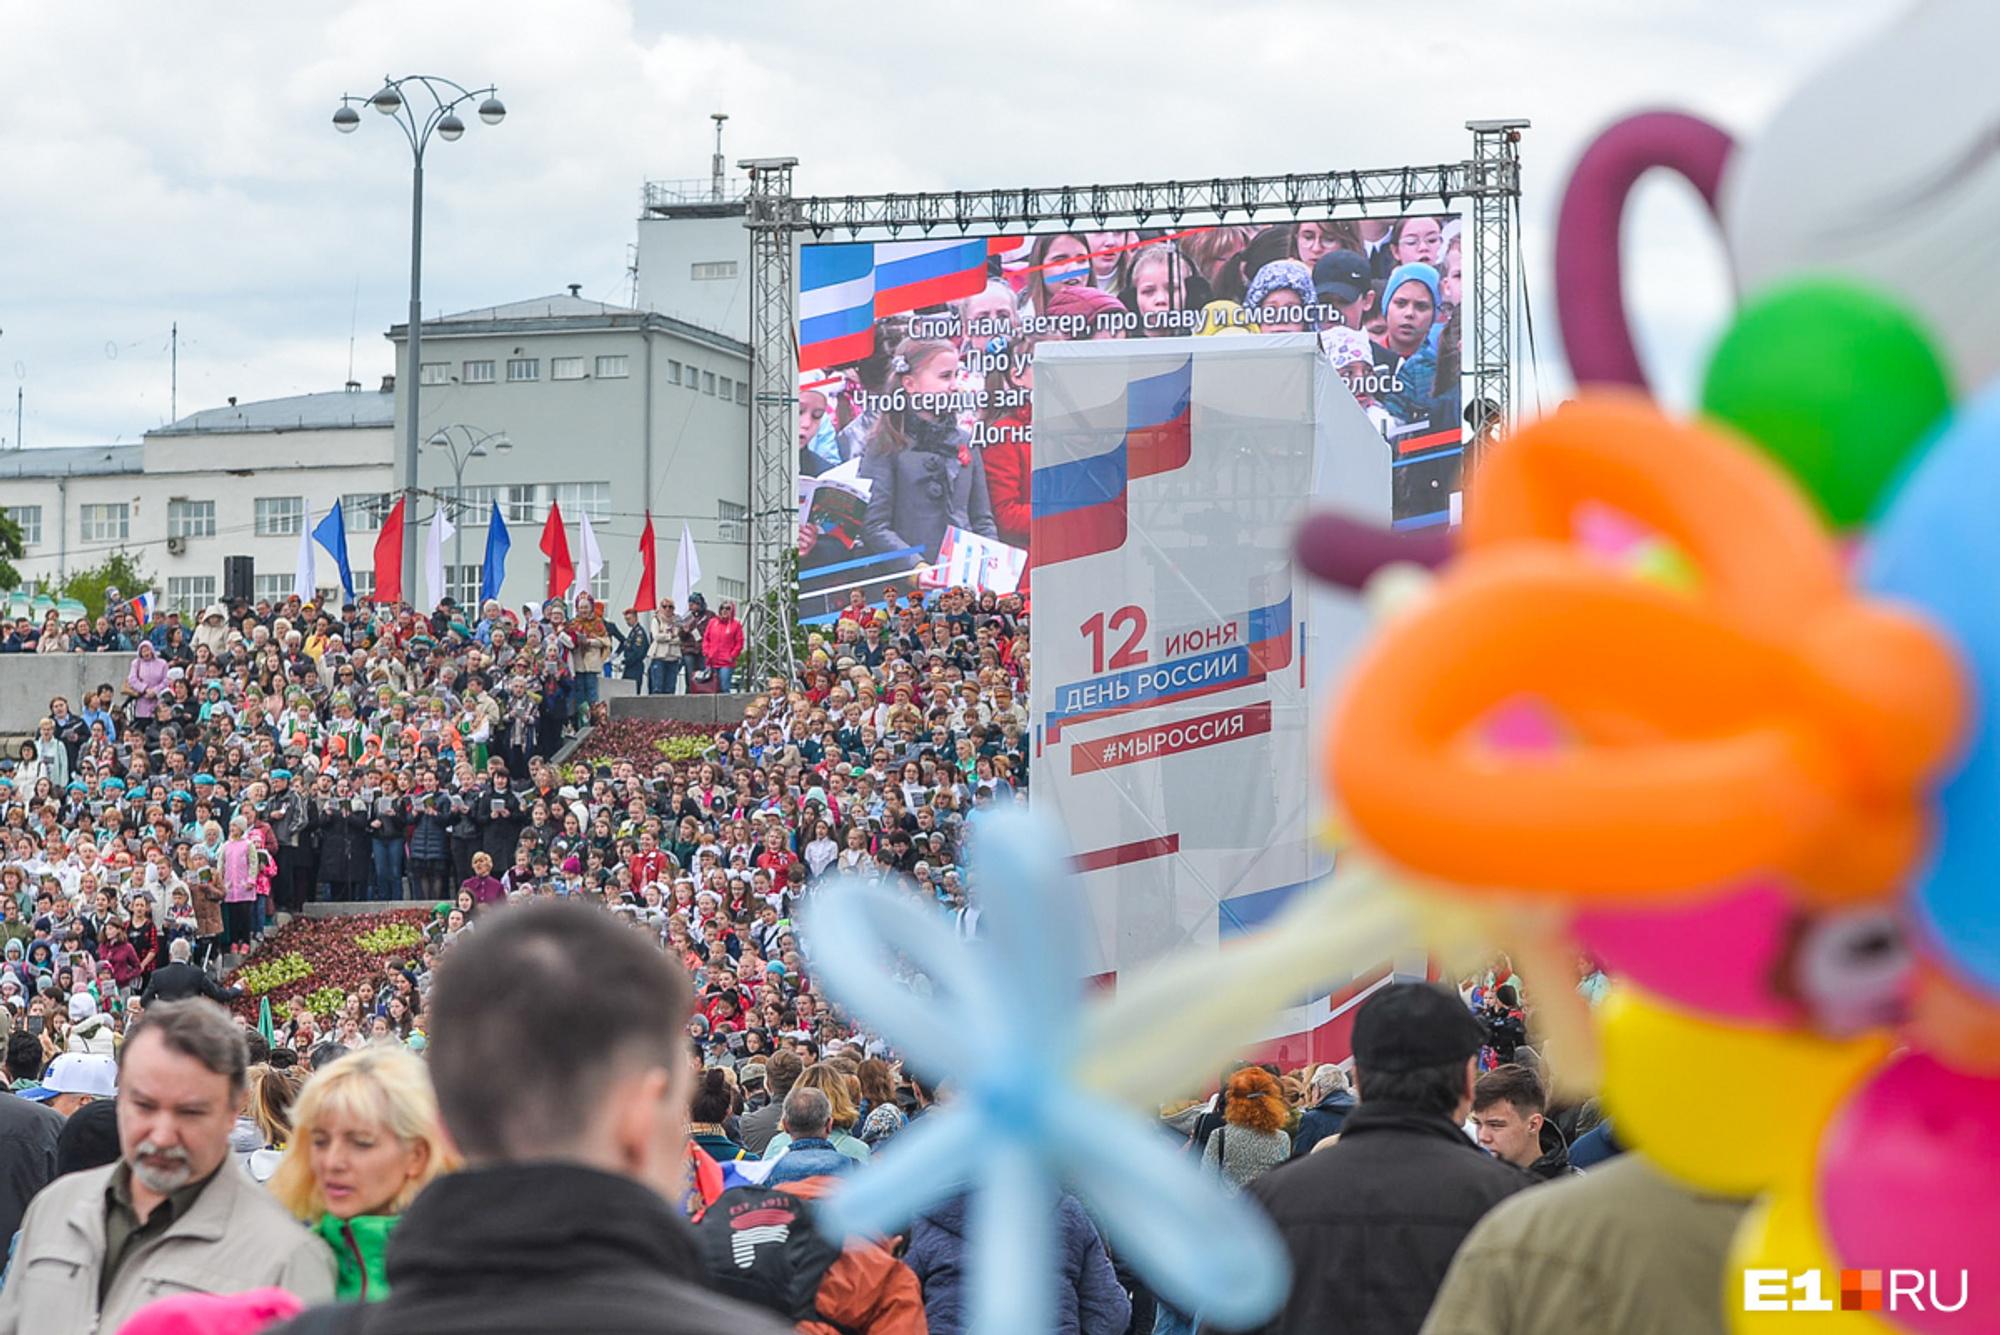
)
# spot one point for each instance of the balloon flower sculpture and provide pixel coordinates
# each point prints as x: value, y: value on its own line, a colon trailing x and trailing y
x: 1008, y: 1028
x: 1760, y: 781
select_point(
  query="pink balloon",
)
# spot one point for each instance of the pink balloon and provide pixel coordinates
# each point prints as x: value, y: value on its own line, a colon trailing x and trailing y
x: 1909, y: 1179
x: 1717, y: 955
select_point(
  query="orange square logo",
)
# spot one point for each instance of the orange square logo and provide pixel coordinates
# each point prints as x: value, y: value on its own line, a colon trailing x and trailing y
x: 1860, y: 1290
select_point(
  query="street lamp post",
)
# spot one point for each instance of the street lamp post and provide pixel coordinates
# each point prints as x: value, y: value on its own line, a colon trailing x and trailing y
x: 464, y: 444
x: 418, y: 124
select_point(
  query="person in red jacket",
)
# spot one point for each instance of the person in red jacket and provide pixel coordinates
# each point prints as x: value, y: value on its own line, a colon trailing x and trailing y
x: 117, y: 955
x: 722, y: 644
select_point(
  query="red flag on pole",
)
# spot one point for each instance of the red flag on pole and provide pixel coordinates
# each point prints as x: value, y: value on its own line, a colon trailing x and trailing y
x: 389, y: 557
x: 646, y: 599
x: 555, y: 546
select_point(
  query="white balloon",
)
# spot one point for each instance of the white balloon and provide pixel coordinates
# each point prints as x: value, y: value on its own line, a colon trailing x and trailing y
x: 1884, y: 167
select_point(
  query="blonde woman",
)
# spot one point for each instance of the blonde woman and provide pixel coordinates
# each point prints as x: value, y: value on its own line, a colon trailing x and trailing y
x: 365, y: 1140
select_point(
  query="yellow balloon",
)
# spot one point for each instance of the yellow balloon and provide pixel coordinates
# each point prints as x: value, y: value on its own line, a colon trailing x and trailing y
x: 1723, y: 1108
x: 1783, y: 1234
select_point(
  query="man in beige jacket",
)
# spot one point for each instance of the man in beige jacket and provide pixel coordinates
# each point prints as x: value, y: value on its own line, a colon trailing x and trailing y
x: 174, y: 1215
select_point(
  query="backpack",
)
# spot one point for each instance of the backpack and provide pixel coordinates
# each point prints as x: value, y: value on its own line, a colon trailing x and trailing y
x: 759, y: 1246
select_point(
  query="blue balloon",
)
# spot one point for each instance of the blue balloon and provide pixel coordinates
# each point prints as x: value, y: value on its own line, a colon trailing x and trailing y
x: 1937, y: 546
x: 1002, y: 1024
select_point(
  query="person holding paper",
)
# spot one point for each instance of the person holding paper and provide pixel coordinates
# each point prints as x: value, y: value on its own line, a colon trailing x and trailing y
x: 925, y: 476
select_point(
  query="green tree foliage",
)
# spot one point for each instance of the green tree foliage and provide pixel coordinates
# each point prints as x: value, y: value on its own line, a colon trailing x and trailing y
x: 120, y: 570
x: 10, y: 547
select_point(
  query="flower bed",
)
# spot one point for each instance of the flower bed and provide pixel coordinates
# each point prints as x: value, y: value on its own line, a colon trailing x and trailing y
x: 643, y: 741
x: 325, y: 958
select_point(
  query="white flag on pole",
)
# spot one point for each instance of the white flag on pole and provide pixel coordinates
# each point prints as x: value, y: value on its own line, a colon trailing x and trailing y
x: 687, y: 569
x: 304, y: 577
x: 441, y: 528
x: 589, y: 559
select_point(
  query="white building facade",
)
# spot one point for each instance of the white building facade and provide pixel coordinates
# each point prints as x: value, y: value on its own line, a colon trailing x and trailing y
x: 607, y: 412
x: 610, y: 412
x: 239, y: 480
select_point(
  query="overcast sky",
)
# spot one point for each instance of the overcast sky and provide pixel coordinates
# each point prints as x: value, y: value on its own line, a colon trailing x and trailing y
x: 176, y: 162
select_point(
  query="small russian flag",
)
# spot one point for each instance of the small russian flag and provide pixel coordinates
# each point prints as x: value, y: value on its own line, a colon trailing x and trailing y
x: 142, y: 608
x: 1078, y: 505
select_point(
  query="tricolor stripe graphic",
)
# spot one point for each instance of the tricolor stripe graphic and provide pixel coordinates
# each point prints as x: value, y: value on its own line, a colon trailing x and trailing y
x: 1078, y: 506
x: 845, y: 288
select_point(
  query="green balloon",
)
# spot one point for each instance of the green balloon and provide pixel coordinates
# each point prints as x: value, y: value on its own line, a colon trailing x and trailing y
x: 1837, y: 383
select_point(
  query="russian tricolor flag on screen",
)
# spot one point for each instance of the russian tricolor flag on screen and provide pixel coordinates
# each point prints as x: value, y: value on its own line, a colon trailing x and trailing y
x: 844, y: 289
x: 1078, y: 506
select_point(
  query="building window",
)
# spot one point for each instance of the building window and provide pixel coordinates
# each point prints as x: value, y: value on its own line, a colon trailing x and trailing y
x: 435, y: 373
x: 190, y: 519
x: 743, y: 391
x: 673, y: 372
x: 732, y: 521
x: 364, y: 584
x: 29, y: 519
x: 364, y: 511
x: 523, y: 504
x: 565, y: 368
x: 275, y: 587
x: 474, y: 504
x: 188, y: 594
x: 693, y: 378
x: 726, y: 587
x: 708, y: 383
x: 479, y: 373
x: 280, y: 516
x: 523, y: 368
x: 105, y: 523
x: 583, y: 498
x: 614, y: 368
x: 461, y: 584
x: 726, y: 387
x: 709, y: 271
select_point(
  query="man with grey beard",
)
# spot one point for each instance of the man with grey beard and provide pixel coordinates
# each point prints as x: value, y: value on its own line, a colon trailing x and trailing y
x: 172, y: 1215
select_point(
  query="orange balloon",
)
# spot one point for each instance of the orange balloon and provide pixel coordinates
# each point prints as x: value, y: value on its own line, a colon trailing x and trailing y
x: 1730, y: 789
x: 1764, y: 721
x: 1759, y: 546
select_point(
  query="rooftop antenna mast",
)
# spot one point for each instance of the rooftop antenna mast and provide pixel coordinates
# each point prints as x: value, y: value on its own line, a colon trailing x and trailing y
x: 715, y: 179
x: 174, y: 380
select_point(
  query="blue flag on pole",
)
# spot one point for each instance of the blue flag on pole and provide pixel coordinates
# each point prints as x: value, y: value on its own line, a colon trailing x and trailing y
x: 494, y: 568
x: 331, y: 533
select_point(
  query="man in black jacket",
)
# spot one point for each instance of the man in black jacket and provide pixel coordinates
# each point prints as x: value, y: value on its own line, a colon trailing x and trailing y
x: 566, y: 1091
x: 1372, y: 1222
x: 179, y: 979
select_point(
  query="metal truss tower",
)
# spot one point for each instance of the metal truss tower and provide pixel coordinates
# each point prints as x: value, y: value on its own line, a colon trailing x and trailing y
x: 772, y: 216
x: 1496, y: 168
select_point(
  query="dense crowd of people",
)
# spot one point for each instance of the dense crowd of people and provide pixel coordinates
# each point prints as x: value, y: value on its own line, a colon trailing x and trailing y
x: 491, y: 1124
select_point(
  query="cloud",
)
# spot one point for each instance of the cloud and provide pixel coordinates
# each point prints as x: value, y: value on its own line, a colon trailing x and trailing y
x: 176, y: 163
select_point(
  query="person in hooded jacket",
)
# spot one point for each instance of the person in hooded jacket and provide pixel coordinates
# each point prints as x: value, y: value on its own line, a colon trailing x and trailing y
x: 1090, y: 1301
x: 90, y: 1030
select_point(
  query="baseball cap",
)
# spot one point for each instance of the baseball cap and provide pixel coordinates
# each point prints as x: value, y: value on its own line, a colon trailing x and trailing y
x: 1411, y: 1026
x: 1340, y: 275
x: 77, y: 1073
